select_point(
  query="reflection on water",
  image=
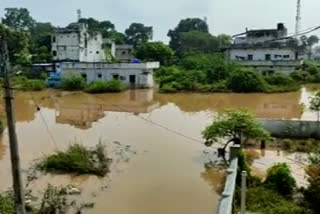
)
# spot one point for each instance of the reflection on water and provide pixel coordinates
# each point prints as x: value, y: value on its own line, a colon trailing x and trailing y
x: 165, y: 173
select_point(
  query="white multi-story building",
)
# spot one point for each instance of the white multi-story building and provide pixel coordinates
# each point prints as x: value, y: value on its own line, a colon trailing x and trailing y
x: 76, y: 43
x: 265, y: 50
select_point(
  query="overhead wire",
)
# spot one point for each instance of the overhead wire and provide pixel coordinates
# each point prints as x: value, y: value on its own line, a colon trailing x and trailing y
x: 44, y: 121
x: 165, y: 127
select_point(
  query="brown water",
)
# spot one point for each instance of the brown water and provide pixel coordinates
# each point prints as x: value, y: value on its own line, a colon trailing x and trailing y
x: 155, y: 170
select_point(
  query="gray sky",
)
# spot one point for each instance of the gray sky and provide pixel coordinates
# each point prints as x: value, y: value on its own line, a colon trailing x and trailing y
x: 224, y: 16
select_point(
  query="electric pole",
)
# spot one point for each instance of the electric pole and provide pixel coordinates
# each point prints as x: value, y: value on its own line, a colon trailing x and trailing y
x: 14, y: 150
x: 298, y: 17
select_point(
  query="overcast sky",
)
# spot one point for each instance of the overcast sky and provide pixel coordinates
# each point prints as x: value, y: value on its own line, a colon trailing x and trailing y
x: 224, y: 16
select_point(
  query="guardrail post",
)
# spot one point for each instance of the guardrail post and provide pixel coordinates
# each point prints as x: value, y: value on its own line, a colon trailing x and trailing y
x: 243, y: 191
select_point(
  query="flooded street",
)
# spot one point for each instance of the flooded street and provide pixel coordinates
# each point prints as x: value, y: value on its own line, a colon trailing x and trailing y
x: 154, y: 139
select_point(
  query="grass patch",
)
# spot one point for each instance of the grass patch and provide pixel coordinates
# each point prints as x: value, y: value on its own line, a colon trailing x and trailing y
x: 77, y: 159
x: 105, y: 86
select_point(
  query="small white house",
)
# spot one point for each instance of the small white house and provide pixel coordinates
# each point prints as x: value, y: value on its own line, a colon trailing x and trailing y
x: 138, y: 75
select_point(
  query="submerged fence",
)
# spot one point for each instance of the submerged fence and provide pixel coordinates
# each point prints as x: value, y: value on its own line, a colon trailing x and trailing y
x: 226, y: 202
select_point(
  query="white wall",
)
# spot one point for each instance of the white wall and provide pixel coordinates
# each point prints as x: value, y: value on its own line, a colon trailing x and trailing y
x: 260, y: 54
x: 72, y: 46
x: 102, y: 71
x: 66, y: 46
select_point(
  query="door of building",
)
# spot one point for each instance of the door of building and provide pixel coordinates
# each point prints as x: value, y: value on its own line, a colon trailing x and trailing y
x: 132, y: 80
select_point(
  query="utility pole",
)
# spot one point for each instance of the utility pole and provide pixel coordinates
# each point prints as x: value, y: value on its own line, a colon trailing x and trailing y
x: 243, y: 192
x: 14, y: 150
x: 298, y: 17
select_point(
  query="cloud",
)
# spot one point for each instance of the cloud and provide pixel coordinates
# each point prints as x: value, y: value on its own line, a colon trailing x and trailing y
x: 224, y: 16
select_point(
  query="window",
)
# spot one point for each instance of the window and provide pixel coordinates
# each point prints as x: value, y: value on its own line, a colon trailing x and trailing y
x: 54, y: 53
x: 115, y: 76
x: 84, y: 76
x: 286, y: 56
x: 95, y: 38
x: 268, y: 56
x: 99, y: 75
x: 97, y: 52
x: 53, y: 39
x: 124, y: 53
x: 250, y: 57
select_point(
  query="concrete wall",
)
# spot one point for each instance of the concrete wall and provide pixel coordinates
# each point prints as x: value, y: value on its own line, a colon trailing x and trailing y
x: 260, y: 54
x: 292, y: 128
x: 66, y: 46
x: 132, y: 75
x: 77, y: 45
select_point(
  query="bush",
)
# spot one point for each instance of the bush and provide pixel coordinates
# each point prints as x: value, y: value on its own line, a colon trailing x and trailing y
x: 279, y: 179
x: 287, y: 144
x: 77, y: 159
x: 279, y: 79
x: 6, y: 203
x: 263, y: 200
x: 247, y: 80
x: 105, y: 86
x: 73, y: 83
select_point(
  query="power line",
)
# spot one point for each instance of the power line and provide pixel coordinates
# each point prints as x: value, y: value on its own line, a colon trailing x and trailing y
x: 44, y: 121
x: 166, y: 128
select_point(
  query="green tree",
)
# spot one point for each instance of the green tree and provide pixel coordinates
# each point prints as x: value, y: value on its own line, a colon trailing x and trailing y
x: 186, y: 25
x: 18, y: 45
x: 247, y: 80
x: 104, y: 27
x: 312, y: 193
x: 18, y: 19
x: 197, y: 42
x: 40, y: 46
x: 235, y: 124
x: 155, y: 51
x: 137, y: 34
x: 279, y: 179
x: 315, y: 105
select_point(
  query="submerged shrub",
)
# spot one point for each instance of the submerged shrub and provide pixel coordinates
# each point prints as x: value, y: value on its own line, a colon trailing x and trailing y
x: 73, y: 83
x: 247, y: 80
x: 78, y: 159
x: 105, y: 86
x: 279, y: 179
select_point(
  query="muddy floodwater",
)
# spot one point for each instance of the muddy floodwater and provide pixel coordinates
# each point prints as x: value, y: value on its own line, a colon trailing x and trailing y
x: 154, y: 140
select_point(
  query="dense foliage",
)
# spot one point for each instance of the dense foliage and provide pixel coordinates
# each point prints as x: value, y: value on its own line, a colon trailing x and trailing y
x: 6, y: 203
x: 274, y: 195
x: 213, y: 73
x: 154, y: 51
x: 77, y: 159
x: 279, y: 179
x: 315, y: 104
x: 73, y: 83
x: 138, y: 34
x: 105, y: 86
x: 247, y: 80
x: 235, y: 124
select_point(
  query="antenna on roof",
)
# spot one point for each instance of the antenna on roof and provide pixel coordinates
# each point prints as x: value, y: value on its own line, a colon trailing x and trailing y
x: 79, y: 14
x: 298, y: 17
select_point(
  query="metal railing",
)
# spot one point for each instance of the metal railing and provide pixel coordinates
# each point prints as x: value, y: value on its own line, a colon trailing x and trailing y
x: 226, y: 202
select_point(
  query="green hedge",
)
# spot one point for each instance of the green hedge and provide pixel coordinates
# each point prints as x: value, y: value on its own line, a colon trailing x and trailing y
x: 105, y: 86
